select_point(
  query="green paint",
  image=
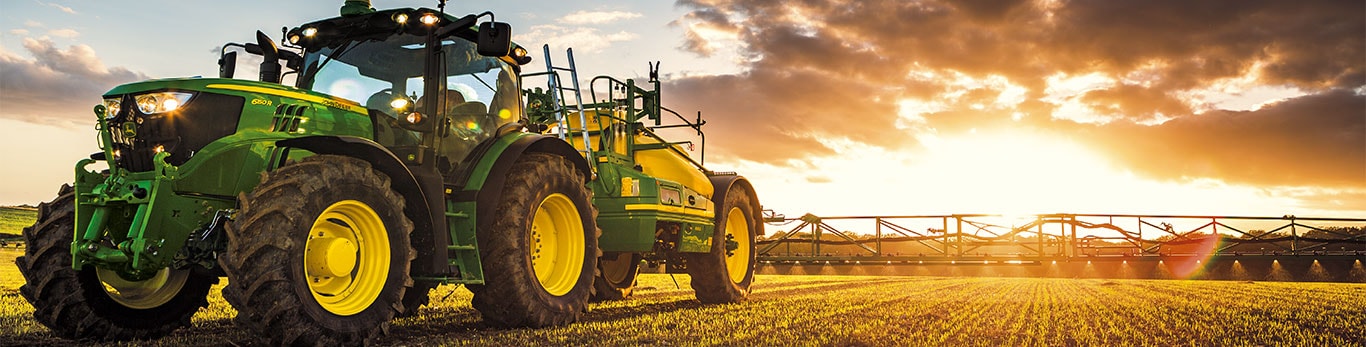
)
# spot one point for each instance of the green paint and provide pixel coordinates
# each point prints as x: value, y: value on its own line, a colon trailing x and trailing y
x: 137, y: 221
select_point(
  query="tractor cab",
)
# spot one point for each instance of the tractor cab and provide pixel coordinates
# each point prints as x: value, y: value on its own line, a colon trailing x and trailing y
x: 432, y: 91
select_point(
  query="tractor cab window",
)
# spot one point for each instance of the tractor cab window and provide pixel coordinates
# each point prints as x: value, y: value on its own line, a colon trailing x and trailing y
x: 479, y: 95
x: 372, y: 73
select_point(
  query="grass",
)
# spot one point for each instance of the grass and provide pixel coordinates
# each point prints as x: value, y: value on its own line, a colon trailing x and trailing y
x: 862, y: 310
x: 13, y: 220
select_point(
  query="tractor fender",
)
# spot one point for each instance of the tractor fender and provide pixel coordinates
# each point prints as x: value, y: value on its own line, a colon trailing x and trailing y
x: 489, y: 192
x: 428, y: 236
x: 722, y: 184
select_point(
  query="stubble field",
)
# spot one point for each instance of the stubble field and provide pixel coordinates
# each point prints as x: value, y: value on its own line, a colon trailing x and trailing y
x: 860, y: 311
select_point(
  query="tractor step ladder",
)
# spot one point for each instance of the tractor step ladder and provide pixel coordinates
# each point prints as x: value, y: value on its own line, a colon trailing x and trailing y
x: 557, y: 89
x: 462, y: 253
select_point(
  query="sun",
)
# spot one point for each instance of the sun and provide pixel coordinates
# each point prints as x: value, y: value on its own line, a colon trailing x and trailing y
x: 1007, y: 171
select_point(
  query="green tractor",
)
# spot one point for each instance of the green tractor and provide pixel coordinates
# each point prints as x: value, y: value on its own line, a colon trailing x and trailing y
x: 408, y: 154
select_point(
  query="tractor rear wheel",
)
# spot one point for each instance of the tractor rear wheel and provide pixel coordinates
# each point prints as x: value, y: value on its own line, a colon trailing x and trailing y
x: 319, y: 254
x: 724, y: 274
x: 94, y: 303
x: 616, y: 276
x: 540, y: 249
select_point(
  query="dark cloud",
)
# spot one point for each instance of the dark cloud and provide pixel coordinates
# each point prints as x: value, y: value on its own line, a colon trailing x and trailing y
x: 1312, y: 140
x: 1135, y: 102
x: 830, y: 69
x: 57, y: 86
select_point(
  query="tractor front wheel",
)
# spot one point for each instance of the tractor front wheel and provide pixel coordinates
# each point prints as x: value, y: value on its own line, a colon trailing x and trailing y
x: 724, y: 274
x: 540, y: 249
x: 319, y: 254
x: 97, y: 304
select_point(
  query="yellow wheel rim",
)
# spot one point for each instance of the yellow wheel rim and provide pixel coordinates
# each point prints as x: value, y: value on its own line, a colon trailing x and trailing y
x: 144, y: 294
x: 737, y: 229
x: 346, y: 257
x: 557, y: 244
x: 616, y: 271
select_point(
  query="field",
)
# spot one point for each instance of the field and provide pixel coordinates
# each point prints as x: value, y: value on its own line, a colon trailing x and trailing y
x: 14, y: 219
x: 863, y: 310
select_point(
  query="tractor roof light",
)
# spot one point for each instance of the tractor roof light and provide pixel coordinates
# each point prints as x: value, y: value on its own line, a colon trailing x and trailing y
x: 401, y: 18
x: 414, y: 118
x: 300, y: 34
x: 430, y: 18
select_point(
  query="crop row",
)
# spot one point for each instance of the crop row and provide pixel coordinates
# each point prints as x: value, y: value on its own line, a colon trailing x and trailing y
x: 862, y: 310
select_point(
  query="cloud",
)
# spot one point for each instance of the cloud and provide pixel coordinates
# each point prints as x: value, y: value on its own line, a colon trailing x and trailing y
x: 60, y: 7
x: 596, y: 17
x: 580, y: 38
x: 1312, y: 140
x: 706, y: 29
x: 64, y: 33
x: 840, y: 69
x: 19, y: 32
x: 33, y: 23
x: 57, y: 86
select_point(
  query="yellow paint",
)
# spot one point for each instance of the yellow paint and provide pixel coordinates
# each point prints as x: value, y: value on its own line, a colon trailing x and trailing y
x: 737, y: 262
x: 347, y: 263
x: 591, y: 116
x: 630, y: 187
x: 145, y: 294
x: 557, y: 242
x: 670, y: 209
x: 669, y: 165
x: 337, y: 103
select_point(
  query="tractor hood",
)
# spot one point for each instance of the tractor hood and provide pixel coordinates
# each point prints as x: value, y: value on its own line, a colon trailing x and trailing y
x: 232, y: 86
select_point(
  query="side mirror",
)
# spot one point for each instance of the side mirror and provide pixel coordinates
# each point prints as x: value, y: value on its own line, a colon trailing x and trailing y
x: 227, y: 64
x: 270, y: 67
x: 495, y: 39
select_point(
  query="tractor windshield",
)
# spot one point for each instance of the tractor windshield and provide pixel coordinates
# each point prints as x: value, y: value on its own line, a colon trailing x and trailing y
x: 480, y: 93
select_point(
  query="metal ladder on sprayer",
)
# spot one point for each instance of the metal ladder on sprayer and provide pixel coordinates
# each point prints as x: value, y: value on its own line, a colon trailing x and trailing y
x: 557, y: 89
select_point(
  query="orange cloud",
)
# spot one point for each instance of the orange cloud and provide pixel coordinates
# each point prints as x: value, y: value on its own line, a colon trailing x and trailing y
x: 839, y: 70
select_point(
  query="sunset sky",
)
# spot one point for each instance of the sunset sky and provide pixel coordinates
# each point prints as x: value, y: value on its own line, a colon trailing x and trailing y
x: 849, y: 107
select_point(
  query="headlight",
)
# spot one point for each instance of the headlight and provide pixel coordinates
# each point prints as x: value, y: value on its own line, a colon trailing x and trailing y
x: 111, y: 107
x: 154, y: 103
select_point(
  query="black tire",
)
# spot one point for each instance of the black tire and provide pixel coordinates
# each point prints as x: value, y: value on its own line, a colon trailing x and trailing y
x: 416, y: 297
x: 274, y: 232
x: 616, y: 278
x: 75, y: 304
x: 512, y: 295
x: 712, y: 280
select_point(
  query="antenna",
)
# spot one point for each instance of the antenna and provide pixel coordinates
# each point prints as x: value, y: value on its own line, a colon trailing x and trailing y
x: 441, y: 5
x: 654, y: 71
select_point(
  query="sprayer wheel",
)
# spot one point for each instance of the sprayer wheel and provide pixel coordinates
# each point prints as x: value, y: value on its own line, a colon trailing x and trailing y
x: 724, y: 275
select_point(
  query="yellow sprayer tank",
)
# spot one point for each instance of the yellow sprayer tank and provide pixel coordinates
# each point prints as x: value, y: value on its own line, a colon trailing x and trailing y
x: 665, y: 163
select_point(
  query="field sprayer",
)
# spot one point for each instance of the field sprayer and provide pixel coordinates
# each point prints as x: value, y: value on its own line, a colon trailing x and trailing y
x: 406, y: 155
